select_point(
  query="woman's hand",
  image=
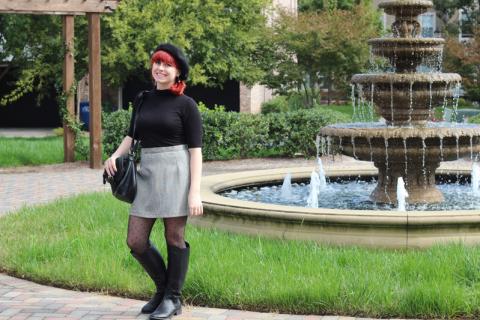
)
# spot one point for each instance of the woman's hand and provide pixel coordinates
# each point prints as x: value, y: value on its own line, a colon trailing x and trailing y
x: 110, y: 166
x: 195, y: 204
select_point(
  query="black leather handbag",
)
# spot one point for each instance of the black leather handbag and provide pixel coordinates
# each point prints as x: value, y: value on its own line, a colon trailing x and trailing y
x: 124, y: 182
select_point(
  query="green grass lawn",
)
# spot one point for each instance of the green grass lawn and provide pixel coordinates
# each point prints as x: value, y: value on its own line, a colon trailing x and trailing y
x: 15, y: 152
x: 80, y: 243
x: 346, y: 109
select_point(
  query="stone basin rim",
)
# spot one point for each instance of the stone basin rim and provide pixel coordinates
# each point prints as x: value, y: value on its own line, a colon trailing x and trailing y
x: 394, y: 5
x: 396, y: 78
x: 211, y: 185
x: 407, y: 41
x: 343, y: 130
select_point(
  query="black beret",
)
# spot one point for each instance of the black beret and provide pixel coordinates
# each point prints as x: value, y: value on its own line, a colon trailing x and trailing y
x: 179, y: 57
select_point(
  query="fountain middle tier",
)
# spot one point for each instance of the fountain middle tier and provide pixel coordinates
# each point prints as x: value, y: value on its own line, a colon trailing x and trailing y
x: 405, y: 54
x: 413, y: 153
x: 407, y: 98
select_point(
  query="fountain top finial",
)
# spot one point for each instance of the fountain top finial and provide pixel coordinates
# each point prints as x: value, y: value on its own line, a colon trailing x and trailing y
x: 411, y: 8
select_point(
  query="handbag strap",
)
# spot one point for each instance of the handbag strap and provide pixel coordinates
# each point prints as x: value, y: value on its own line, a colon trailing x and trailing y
x: 137, y: 104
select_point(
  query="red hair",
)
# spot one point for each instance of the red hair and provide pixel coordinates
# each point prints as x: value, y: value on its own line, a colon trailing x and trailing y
x: 162, y: 56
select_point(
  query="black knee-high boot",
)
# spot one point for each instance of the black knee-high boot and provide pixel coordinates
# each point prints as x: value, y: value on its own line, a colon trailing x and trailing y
x: 152, y: 262
x: 177, y: 270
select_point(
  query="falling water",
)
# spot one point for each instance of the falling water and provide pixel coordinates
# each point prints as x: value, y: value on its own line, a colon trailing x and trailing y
x: 441, y: 148
x: 430, y: 111
x: 312, y: 201
x: 387, y: 175
x: 369, y: 139
x: 287, y: 187
x: 402, y: 194
x: 355, y: 117
x: 391, y: 97
x: 457, y: 138
x: 353, y: 147
x: 410, y: 107
x: 370, y: 107
x: 444, y: 106
x: 406, y: 156
x: 317, y: 145
x: 471, y: 146
x: 476, y: 179
x: 424, y: 169
x: 329, y: 146
x: 456, y: 98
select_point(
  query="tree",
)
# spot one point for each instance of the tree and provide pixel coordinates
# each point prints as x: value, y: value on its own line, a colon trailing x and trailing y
x: 446, y: 9
x: 320, y: 46
x: 464, y: 58
x: 221, y: 38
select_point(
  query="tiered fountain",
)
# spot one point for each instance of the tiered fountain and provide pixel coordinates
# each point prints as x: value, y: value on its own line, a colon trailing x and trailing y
x: 407, y: 144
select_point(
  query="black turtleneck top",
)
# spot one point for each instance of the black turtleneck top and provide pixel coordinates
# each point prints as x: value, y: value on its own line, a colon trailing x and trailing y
x: 166, y: 119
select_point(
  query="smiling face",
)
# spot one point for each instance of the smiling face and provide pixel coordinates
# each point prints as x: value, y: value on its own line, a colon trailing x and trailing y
x: 164, y: 70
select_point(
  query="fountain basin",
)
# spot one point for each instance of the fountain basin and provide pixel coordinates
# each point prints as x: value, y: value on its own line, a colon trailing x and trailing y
x: 412, y: 153
x: 367, y: 228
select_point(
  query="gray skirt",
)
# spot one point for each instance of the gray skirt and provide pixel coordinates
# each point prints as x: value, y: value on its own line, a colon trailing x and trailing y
x: 163, y: 183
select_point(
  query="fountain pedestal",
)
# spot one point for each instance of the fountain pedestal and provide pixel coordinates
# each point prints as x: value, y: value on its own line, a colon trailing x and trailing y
x: 419, y: 182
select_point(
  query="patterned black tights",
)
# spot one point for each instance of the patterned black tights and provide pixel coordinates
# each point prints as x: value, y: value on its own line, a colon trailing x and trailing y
x: 139, y: 230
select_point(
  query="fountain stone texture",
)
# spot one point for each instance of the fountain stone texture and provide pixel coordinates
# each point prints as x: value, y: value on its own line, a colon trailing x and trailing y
x: 407, y: 145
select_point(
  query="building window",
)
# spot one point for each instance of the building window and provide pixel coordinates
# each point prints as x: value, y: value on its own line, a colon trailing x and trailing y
x: 465, y: 26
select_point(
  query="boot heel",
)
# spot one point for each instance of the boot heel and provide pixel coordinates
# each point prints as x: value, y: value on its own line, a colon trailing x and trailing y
x: 178, y: 312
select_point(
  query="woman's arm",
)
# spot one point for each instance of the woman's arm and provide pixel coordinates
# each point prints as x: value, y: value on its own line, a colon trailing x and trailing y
x: 121, y: 150
x: 194, y: 200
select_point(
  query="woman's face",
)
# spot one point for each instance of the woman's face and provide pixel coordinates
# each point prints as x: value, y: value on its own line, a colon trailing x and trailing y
x: 164, y: 74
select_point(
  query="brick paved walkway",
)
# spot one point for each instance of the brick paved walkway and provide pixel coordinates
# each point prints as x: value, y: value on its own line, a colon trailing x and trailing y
x: 20, y: 299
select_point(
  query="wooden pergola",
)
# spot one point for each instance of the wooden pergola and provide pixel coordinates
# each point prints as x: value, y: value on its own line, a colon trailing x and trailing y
x: 68, y: 9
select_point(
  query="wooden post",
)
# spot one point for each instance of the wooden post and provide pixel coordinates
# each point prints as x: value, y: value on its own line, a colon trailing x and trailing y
x: 68, y: 77
x: 95, y: 90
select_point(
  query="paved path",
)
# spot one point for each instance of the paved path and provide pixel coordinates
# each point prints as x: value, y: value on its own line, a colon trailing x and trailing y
x: 20, y: 299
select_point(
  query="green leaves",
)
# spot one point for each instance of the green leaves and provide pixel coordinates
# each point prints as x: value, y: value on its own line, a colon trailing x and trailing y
x: 220, y: 38
x: 318, y: 47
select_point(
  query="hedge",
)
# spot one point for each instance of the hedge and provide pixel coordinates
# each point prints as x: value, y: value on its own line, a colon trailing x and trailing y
x: 229, y: 135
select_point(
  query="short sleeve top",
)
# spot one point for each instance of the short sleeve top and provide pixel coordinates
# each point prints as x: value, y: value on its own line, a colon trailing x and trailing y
x: 166, y: 119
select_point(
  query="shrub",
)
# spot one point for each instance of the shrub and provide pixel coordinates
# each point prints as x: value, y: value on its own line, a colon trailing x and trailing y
x: 216, y: 125
x: 247, y: 134
x: 302, y: 127
x: 277, y: 104
x: 228, y: 135
x: 115, y: 128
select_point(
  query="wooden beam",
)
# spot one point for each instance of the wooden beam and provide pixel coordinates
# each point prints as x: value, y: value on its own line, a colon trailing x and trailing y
x: 68, y: 77
x: 58, y: 6
x: 95, y: 90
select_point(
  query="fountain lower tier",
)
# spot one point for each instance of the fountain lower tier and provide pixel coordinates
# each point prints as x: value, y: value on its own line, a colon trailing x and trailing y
x: 413, y: 153
x: 406, y: 98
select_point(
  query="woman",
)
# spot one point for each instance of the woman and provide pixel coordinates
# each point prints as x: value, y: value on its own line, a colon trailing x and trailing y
x: 169, y: 128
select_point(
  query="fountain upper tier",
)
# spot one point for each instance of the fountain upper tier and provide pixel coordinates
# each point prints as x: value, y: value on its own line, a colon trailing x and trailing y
x: 406, y: 98
x: 408, y: 8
